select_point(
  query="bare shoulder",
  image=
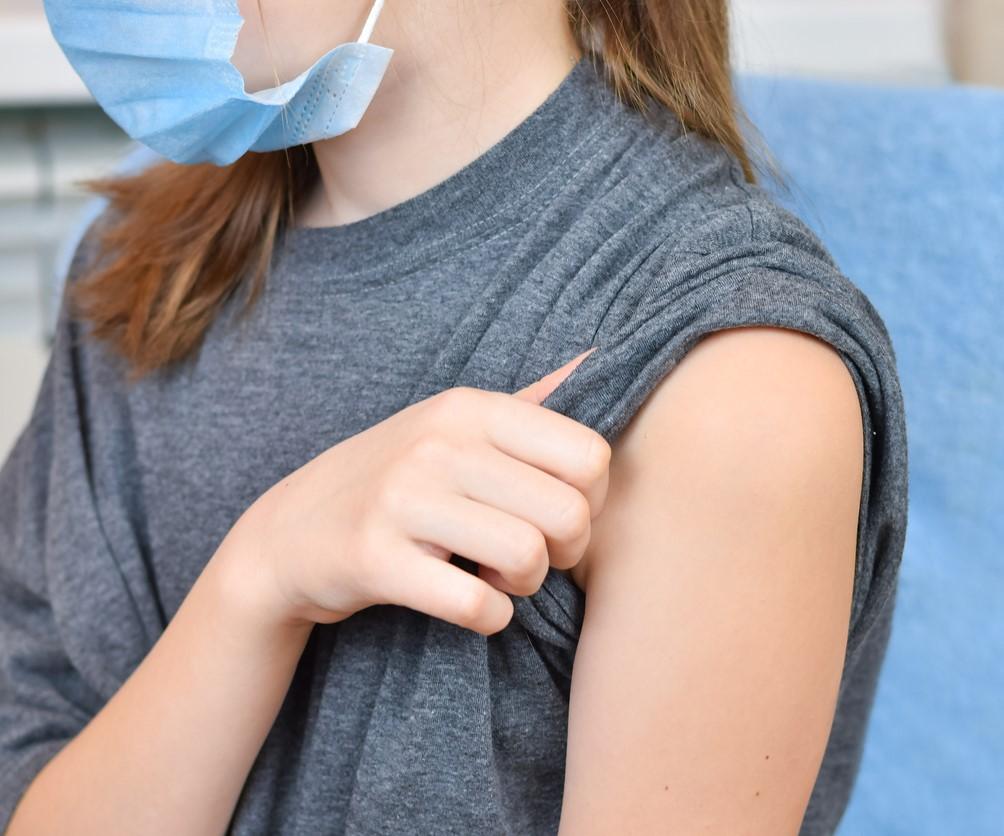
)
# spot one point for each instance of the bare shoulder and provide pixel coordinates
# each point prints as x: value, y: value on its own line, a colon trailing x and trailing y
x: 745, y: 405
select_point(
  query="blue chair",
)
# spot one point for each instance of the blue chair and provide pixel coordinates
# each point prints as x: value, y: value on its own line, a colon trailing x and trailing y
x: 905, y: 186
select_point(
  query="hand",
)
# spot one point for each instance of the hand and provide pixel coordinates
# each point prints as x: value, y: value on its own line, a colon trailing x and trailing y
x: 493, y: 477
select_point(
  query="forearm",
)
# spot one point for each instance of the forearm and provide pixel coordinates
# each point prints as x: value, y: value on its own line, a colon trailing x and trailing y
x: 171, y: 750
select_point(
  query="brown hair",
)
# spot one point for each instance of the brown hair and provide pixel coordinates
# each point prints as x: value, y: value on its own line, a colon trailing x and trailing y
x: 180, y: 239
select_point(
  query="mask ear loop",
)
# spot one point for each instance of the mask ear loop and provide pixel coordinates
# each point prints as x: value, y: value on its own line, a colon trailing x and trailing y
x: 371, y: 20
x: 364, y: 36
x: 370, y: 24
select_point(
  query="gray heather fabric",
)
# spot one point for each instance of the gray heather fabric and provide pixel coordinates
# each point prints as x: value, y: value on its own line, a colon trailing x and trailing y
x: 586, y: 225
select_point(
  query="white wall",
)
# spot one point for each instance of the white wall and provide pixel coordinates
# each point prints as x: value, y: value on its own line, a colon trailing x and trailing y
x: 886, y: 41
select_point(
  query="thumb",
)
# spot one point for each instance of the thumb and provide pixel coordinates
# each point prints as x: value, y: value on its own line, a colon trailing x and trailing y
x: 537, y: 391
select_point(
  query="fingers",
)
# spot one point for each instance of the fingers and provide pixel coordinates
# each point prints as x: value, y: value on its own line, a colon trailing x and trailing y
x: 560, y: 512
x: 484, y: 534
x: 440, y: 589
x: 550, y: 441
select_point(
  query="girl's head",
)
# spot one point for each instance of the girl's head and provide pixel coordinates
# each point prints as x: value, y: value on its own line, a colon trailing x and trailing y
x: 178, y: 241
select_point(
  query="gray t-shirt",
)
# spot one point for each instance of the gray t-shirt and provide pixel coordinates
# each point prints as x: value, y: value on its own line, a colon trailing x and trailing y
x: 586, y: 225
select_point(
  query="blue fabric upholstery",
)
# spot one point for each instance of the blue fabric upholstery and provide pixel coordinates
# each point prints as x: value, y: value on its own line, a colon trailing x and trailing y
x: 905, y: 186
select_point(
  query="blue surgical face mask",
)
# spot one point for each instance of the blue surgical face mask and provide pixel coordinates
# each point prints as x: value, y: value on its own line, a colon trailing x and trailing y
x: 162, y: 70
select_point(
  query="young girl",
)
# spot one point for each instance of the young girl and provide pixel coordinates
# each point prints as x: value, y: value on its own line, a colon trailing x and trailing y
x: 421, y: 367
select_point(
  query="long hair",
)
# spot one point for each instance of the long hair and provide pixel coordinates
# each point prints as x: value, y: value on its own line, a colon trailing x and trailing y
x: 180, y: 239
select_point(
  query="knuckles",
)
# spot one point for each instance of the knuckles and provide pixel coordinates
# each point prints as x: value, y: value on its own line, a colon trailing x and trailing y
x: 394, y: 494
x: 373, y: 558
x: 596, y: 460
x: 429, y: 449
x: 472, y: 603
x: 529, y: 561
x: 573, y: 520
x: 454, y: 403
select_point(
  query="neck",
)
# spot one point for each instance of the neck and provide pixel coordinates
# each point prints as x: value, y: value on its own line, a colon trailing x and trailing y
x: 463, y: 75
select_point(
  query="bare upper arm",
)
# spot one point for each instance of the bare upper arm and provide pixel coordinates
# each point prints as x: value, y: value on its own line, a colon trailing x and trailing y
x: 719, y: 579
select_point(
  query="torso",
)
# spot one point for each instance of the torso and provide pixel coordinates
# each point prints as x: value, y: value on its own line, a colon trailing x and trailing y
x: 584, y: 228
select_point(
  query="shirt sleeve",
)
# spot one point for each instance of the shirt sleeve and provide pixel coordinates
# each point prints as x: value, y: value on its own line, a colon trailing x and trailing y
x: 71, y: 610
x: 755, y: 265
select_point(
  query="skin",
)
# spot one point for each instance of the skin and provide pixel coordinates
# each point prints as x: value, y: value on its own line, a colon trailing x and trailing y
x: 464, y: 73
x: 719, y: 580
x: 723, y: 519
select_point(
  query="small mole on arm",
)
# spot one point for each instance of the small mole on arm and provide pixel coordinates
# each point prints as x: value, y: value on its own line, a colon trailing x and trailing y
x: 766, y: 757
x: 758, y: 792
